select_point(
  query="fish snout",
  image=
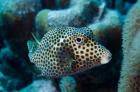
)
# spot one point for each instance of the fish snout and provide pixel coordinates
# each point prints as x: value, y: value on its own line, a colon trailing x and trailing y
x: 106, y: 57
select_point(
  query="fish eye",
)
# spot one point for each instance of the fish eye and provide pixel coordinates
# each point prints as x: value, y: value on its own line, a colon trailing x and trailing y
x: 79, y: 40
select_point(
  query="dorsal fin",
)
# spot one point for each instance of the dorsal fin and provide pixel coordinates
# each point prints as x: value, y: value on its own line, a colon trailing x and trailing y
x: 36, y: 40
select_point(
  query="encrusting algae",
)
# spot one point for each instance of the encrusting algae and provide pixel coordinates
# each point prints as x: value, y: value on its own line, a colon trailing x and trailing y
x: 67, y: 50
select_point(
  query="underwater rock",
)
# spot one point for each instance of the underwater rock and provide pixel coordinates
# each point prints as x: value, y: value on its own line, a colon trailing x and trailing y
x: 9, y: 84
x: 18, y: 8
x: 16, y: 23
x: 122, y: 6
x: 119, y: 5
x: 41, y: 22
x: 111, y: 20
x: 6, y: 55
x: 110, y: 4
x: 55, y: 4
x: 79, y: 14
x: 16, y: 72
x: 18, y: 15
x: 130, y: 73
x: 2, y: 82
x: 68, y: 84
x: 40, y: 86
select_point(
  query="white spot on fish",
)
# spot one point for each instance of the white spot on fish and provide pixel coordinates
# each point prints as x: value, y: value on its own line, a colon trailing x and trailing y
x: 61, y: 40
x: 106, y: 58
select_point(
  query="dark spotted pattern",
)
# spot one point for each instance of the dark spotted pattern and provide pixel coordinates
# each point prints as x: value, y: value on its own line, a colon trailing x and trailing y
x: 67, y: 50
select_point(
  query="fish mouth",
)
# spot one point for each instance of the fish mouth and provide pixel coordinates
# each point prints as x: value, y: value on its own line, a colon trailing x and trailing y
x: 106, y: 58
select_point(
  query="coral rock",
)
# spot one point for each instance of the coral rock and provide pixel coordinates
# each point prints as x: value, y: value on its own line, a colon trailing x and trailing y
x: 40, y: 86
x: 79, y: 14
x: 130, y: 73
x: 67, y: 84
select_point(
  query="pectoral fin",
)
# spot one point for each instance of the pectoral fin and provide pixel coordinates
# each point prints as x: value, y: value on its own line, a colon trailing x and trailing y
x: 69, y: 64
x: 32, y: 46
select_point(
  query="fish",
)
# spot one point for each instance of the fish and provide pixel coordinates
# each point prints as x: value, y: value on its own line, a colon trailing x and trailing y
x: 66, y: 51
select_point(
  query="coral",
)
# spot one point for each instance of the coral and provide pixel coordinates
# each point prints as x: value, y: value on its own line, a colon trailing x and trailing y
x: 14, y: 77
x: 19, y: 7
x: 2, y: 82
x: 122, y: 6
x: 68, y: 84
x: 78, y: 14
x: 16, y: 24
x: 130, y: 73
x: 8, y: 84
x: 19, y: 17
x: 55, y: 4
x: 42, y: 22
x: 110, y: 20
x: 40, y: 86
